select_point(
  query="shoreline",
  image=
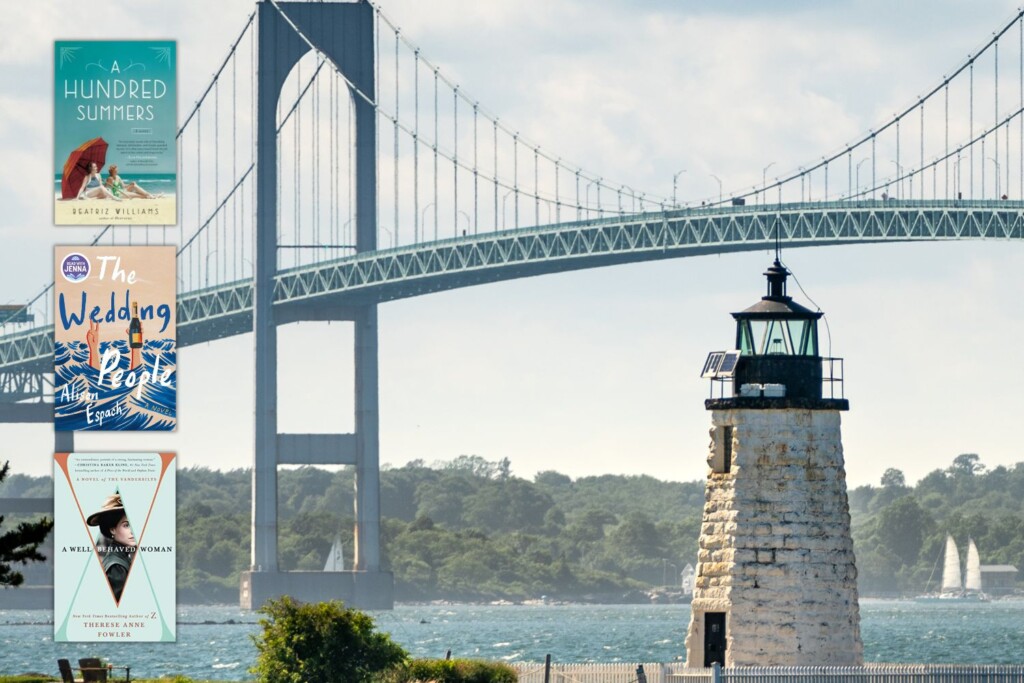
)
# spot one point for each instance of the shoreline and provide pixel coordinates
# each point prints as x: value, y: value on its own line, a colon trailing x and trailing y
x: 481, y: 603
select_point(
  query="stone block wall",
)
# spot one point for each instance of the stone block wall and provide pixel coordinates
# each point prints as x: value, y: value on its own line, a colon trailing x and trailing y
x: 775, y: 549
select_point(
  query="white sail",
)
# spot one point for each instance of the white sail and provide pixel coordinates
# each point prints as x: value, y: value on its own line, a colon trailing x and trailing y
x: 335, y: 559
x: 973, y: 579
x: 951, y: 568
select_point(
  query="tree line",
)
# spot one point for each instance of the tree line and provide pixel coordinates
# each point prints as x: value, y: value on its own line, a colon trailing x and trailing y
x: 469, y: 529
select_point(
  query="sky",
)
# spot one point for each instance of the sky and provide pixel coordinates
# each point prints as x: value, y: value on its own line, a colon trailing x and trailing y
x: 594, y: 372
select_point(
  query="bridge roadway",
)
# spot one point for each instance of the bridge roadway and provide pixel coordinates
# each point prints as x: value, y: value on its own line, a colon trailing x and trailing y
x: 389, y: 274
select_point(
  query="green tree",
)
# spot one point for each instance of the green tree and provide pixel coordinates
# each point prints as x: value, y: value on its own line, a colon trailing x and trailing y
x: 902, y: 528
x: 893, y: 478
x: 20, y: 545
x: 322, y: 641
x: 966, y: 464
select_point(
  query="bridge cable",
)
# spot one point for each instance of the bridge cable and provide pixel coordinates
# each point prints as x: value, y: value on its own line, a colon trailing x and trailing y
x: 435, y: 153
x: 476, y: 178
x: 515, y: 176
x: 252, y: 166
x: 966, y: 66
x: 496, y: 224
x: 416, y: 152
x: 395, y: 131
x: 455, y: 155
x: 947, y: 139
x: 899, y: 168
x: 234, y: 161
x: 995, y: 116
x: 216, y: 170
x: 971, y: 127
x: 921, y: 161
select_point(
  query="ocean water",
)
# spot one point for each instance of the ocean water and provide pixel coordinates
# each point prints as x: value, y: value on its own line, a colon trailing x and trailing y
x: 141, y: 178
x: 151, y: 408
x: 214, y: 641
x: 165, y: 183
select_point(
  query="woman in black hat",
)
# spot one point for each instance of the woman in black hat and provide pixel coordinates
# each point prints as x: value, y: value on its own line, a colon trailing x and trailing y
x: 118, y: 542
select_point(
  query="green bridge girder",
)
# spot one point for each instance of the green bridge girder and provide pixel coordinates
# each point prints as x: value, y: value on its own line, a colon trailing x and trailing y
x: 408, y: 271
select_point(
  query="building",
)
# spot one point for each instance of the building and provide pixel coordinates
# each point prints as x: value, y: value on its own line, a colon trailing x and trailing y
x: 686, y: 579
x: 776, y: 581
x: 998, y: 579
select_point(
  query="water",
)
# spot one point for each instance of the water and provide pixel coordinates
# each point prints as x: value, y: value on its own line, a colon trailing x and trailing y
x: 893, y: 631
x: 151, y: 407
x: 165, y: 183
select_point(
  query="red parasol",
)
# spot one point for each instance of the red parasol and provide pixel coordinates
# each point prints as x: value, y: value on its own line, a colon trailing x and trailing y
x: 77, y: 166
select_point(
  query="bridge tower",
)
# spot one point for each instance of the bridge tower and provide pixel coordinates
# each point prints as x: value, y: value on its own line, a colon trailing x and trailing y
x: 344, y: 33
x: 776, y: 583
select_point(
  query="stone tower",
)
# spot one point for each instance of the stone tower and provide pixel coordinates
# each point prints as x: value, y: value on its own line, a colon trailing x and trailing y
x: 776, y: 583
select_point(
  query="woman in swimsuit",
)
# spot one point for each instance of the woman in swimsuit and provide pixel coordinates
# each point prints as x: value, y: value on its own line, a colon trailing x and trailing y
x: 92, y: 185
x: 119, y: 188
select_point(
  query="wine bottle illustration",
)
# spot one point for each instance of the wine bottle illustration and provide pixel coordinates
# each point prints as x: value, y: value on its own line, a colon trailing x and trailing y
x: 135, y: 328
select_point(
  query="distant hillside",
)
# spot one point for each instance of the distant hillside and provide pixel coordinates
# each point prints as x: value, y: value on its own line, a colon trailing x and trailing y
x: 471, y: 530
x: 899, y: 531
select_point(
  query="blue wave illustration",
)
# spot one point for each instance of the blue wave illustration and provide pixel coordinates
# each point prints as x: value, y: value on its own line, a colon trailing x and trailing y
x: 81, y: 403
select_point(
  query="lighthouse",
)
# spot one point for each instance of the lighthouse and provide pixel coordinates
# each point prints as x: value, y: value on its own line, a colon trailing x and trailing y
x: 776, y: 581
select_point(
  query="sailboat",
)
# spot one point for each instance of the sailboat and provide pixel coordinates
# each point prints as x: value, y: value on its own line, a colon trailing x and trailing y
x: 953, y: 586
x: 335, y: 559
x: 972, y: 582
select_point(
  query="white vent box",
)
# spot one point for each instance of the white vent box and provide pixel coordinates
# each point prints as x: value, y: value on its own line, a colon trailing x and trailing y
x: 750, y: 390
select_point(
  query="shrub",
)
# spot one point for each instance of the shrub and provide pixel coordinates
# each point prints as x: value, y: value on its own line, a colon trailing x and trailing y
x: 453, y: 671
x: 324, y: 642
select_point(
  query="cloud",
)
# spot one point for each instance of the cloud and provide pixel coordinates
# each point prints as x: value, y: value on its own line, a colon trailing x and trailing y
x: 596, y: 371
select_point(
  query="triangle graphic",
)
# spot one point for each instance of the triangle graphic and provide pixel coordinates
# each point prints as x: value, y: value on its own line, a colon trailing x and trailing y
x: 116, y: 560
x: 123, y: 563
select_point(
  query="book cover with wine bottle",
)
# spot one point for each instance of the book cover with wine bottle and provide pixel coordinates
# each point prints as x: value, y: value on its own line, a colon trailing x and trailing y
x: 115, y: 355
x: 114, y: 547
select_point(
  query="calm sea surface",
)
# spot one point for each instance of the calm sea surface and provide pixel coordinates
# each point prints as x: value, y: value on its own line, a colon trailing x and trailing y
x: 893, y: 631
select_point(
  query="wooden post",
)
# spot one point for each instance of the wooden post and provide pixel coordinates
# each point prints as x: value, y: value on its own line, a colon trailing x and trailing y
x: 547, y: 669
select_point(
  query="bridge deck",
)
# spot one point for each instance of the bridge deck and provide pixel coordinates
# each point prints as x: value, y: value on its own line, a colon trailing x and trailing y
x: 326, y: 289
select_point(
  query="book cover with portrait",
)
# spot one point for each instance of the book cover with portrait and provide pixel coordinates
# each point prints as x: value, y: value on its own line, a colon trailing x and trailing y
x: 115, y: 355
x: 114, y: 536
x: 114, y: 132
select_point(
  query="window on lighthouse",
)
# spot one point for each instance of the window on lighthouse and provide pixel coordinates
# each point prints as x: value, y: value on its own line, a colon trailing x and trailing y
x: 721, y: 456
x: 778, y: 337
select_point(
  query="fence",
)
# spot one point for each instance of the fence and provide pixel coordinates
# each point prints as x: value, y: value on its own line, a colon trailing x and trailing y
x: 677, y: 673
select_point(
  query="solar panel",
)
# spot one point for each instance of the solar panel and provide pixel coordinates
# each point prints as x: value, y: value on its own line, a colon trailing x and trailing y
x: 711, y: 364
x: 728, y: 364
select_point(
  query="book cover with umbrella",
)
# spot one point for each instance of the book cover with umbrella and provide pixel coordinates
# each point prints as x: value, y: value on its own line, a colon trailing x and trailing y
x: 114, y: 132
x: 114, y: 538
x: 115, y: 354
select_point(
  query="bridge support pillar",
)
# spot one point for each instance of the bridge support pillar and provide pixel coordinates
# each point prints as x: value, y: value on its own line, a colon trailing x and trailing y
x: 345, y: 33
x: 367, y: 498
x: 63, y: 442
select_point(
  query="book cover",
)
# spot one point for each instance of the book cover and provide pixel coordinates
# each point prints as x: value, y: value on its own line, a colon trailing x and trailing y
x: 114, y: 535
x: 114, y: 132
x: 115, y: 357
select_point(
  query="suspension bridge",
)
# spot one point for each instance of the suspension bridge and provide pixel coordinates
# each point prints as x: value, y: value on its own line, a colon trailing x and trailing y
x: 329, y: 166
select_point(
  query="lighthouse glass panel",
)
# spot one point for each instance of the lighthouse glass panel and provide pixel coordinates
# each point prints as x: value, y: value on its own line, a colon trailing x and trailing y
x: 778, y: 337
x: 756, y: 335
x: 777, y: 340
x: 799, y: 334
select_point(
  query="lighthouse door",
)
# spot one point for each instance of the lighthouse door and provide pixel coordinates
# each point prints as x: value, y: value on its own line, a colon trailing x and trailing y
x: 714, y: 638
